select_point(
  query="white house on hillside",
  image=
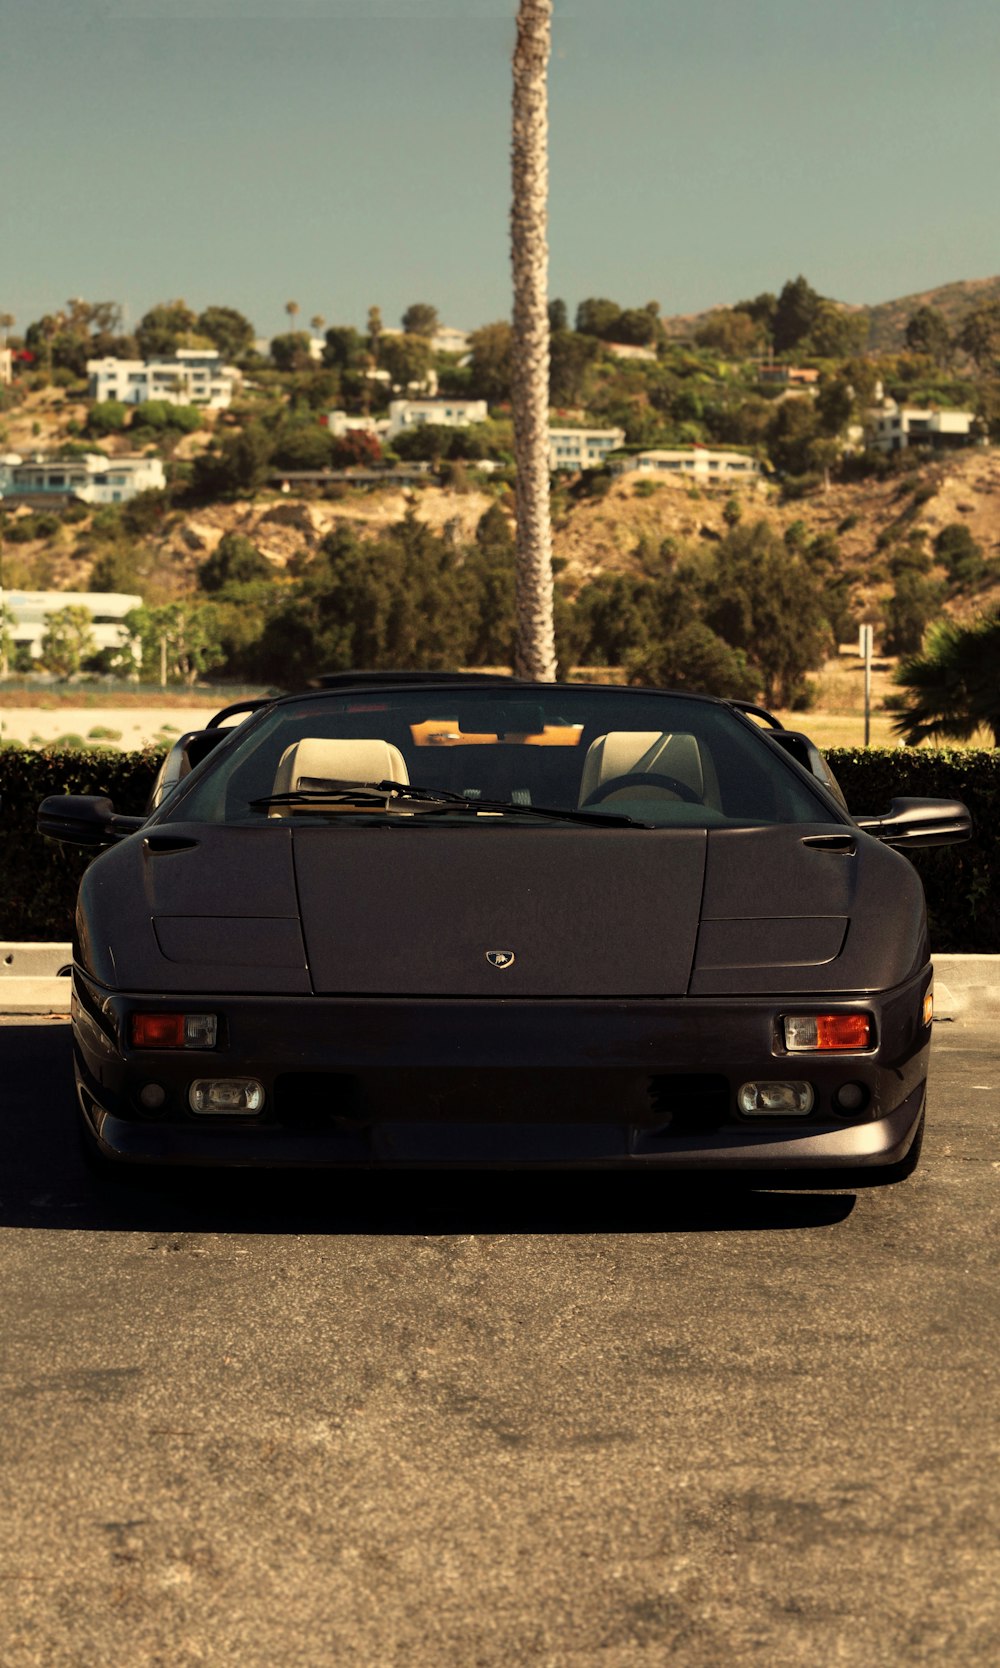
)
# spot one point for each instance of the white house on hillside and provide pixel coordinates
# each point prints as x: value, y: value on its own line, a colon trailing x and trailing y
x: 892, y: 427
x: 700, y: 462
x: 339, y: 424
x: 582, y: 448
x: 93, y: 478
x: 444, y: 413
x: 6, y: 367
x: 191, y: 376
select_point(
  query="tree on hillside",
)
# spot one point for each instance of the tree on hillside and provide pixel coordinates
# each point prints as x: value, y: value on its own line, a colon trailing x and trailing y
x: 597, y: 316
x: 795, y: 314
x: 764, y: 599
x: 317, y: 322
x: 731, y: 332
x: 491, y: 362
x: 292, y: 309
x: 536, y: 651
x: 228, y: 331
x: 836, y: 333
x: 961, y: 554
x: 980, y: 335
x: 291, y: 351
x: 161, y: 330
x: 345, y: 348
x: 694, y: 657
x: 420, y: 319
x: 407, y: 359
x: 234, y: 561
x: 558, y: 316
x: 374, y: 332
x: 570, y: 356
x: 638, y: 327
x: 237, y: 468
x: 927, y: 332
x: 953, y: 685
x: 761, y: 310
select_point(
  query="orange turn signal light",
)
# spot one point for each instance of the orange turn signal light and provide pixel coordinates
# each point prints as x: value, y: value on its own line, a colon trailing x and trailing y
x: 818, y: 1032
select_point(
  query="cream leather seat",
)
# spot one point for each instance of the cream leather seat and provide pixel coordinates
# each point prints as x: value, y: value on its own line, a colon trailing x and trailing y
x: 649, y: 753
x: 315, y: 763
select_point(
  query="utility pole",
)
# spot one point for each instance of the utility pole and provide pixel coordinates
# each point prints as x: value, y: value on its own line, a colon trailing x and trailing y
x: 865, y: 650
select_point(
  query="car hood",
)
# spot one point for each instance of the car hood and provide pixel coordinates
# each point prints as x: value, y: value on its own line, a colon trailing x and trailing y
x: 436, y: 911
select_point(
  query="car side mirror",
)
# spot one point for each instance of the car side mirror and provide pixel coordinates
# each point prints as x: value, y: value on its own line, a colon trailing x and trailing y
x: 76, y: 819
x: 920, y: 822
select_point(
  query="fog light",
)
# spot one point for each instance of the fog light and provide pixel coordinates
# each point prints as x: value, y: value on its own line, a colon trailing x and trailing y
x: 850, y: 1097
x: 783, y: 1100
x: 173, y: 1030
x: 152, y: 1096
x: 816, y: 1032
x: 226, y: 1094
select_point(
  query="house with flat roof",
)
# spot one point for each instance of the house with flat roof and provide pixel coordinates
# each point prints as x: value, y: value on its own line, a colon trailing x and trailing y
x: 445, y: 413
x: 893, y: 428
x: 191, y: 376
x: 107, y: 610
x: 91, y: 479
x: 582, y: 448
x: 788, y: 376
x: 700, y: 463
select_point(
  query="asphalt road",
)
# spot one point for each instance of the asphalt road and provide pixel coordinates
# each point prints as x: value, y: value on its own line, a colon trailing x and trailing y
x: 570, y: 1422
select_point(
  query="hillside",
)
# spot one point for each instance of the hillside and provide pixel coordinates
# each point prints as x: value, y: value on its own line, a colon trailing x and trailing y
x: 887, y: 319
x: 613, y: 533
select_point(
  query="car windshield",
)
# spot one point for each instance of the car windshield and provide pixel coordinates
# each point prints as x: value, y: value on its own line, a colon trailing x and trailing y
x: 492, y: 757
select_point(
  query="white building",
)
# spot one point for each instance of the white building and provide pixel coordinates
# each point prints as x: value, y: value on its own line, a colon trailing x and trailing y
x: 448, y: 339
x: 191, y: 376
x: 701, y: 463
x: 582, y: 448
x: 93, y: 478
x: 107, y: 610
x: 892, y: 427
x: 339, y: 424
x: 6, y: 367
x: 444, y: 413
x: 630, y: 350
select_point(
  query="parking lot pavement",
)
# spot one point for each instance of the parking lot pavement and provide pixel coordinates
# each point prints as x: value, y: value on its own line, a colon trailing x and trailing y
x: 465, y: 1423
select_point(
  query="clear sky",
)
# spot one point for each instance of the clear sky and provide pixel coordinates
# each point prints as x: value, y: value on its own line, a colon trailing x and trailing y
x: 347, y: 152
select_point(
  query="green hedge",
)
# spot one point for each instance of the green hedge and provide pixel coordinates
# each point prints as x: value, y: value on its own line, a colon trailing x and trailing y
x: 38, y: 879
x: 962, y: 882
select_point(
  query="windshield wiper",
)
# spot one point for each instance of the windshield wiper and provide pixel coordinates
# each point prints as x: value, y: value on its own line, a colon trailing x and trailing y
x: 438, y: 801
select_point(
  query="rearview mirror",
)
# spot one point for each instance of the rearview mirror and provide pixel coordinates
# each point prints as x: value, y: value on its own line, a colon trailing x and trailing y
x: 501, y: 718
x: 76, y: 819
x: 920, y: 822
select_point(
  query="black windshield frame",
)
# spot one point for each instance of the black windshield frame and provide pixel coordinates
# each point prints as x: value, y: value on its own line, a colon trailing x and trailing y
x: 390, y: 711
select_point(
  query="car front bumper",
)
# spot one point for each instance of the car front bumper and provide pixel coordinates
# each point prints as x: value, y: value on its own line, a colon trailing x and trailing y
x: 412, y: 1083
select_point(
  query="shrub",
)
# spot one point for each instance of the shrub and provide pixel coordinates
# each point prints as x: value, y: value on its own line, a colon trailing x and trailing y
x: 962, y: 882
x: 106, y: 417
x: 38, y: 879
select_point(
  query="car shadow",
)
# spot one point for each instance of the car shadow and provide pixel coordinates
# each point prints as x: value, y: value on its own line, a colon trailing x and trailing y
x: 45, y: 1183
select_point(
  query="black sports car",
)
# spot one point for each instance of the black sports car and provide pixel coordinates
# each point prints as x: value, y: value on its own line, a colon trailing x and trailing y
x: 427, y: 920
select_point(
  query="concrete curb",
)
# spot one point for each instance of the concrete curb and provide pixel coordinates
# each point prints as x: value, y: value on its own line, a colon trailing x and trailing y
x: 29, y: 981
x: 966, y: 985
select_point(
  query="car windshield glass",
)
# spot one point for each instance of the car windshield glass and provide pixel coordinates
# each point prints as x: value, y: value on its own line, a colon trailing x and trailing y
x: 488, y: 758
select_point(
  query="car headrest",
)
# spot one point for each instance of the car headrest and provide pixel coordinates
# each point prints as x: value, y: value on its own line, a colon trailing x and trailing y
x: 653, y: 752
x: 316, y: 761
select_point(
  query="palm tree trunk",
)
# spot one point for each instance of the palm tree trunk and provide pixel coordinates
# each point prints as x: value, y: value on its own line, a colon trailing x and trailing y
x: 535, y: 655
